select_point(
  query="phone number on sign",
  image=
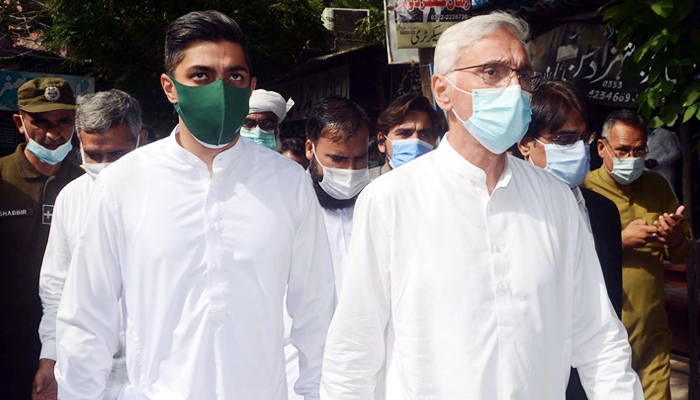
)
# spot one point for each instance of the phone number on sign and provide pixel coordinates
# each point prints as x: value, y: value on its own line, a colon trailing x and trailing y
x: 448, y: 17
x: 616, y: 97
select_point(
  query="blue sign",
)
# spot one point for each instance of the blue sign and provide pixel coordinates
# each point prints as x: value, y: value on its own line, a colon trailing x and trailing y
x: 10, y: 81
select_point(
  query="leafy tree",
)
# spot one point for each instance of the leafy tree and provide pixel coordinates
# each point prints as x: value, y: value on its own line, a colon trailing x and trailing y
x: 120, y: 42
x: 666, y: 34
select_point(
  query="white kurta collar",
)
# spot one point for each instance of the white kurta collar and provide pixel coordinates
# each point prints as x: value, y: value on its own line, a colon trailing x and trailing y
x: 222, y: 159
x: 447, y: 155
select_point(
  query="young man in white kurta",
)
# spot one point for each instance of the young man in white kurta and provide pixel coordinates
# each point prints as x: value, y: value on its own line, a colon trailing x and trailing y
x: 510, y: 294
x: 202, y: 264
x: 201, y: 235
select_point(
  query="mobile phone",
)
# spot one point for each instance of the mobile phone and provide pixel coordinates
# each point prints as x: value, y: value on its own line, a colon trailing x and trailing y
x: 676, y: 217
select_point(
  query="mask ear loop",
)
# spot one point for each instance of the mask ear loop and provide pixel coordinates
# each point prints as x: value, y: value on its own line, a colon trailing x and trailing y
x: 606, y: 149
x: 459, y: 90
x: 388, y: 159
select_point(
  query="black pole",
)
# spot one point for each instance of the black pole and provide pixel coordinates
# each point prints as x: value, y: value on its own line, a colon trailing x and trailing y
x: 692, y: 269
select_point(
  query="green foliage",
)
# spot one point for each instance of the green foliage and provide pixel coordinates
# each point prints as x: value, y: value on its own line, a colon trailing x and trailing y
x: 666, y: 34
x: 120, y: 42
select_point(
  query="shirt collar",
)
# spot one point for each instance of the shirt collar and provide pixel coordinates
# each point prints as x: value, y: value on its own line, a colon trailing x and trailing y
x: 447, y: 155
x: 608, y: 180
x: 26, y: 169
x: 579, y: 196
x: 222, y: 159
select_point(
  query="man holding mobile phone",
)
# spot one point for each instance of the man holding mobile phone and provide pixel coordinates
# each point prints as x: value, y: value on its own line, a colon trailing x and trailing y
x: 653, y: 232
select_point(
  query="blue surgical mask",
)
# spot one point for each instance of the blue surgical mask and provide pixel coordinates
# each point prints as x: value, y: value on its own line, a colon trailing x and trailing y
x: 626, y: 170
x: 500, y: 116
x: 570, y: 164
x: 47, y: 156
x: 259, y: 136
x: 405, y: 150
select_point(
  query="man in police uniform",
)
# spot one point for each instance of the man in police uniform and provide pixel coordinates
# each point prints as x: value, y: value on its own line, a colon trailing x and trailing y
x: 30, y: 179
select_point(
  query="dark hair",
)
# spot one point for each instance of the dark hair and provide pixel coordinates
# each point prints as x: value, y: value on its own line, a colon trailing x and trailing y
x: 295, y: 146
x: 552, y: 104
x: 210, y: 26
x: 627, y: 117
x: 401, y: 107
x: 345, y: 117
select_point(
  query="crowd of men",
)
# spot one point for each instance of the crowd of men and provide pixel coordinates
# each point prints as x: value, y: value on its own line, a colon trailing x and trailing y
x: 224, y: 263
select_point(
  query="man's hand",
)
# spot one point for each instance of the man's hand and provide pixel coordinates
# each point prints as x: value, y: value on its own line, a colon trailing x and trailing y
x: 45, y: 387
x: 670, y: 231
x: 638, y: 233
x: 651, y: 164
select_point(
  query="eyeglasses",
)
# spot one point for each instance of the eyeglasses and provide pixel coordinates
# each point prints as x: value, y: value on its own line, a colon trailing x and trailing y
x: 625, y: 151
x: 265, y: 124
x: 568, y: 139
x: 498, y: 75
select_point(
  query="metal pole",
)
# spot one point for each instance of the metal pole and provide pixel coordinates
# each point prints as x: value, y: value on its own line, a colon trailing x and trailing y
x: 692, y: 268
x: 693, y: 265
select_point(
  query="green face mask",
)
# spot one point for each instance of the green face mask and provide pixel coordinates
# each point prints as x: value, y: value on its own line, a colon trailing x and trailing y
x: 259, y: 136
x: 214, y: 112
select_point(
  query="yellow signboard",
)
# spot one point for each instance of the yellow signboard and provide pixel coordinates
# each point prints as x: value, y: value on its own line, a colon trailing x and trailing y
x: 421, y: 34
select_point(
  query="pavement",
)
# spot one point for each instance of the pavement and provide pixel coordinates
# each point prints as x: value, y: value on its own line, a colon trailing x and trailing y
x: 679, y: 379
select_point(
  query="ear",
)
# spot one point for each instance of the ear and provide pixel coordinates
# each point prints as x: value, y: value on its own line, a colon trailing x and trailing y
x: 309, y: 149
x: 381, y: 142
x: 524, y: 146
x: 18, y: 122
x: 253, y: 84
x: 439, y: 86
x: 601, y: 148
x: 143, y: 137
x: 168, y: 88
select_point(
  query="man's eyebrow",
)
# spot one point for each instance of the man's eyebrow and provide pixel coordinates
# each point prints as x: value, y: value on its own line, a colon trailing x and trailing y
x: 508, y: 62
x: 237, y: 68
x: 362, y: 155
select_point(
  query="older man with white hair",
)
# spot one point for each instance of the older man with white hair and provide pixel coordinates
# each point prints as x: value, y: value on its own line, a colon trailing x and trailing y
x: 109, y: 126
x: 511, y: 293
x: 267, y: 111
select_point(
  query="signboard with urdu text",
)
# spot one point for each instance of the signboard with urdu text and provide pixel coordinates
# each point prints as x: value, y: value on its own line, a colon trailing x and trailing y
x: 419, y: 23
x: 586, y: 56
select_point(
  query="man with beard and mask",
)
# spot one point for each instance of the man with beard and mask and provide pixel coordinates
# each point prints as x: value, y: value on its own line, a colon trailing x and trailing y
x: 267, y: 111
x: 473, y: 268
x: 653, y: 230
x: 31, y: 178
x: 108, y: 126
x: 337, y: 139
x: 201, y: 235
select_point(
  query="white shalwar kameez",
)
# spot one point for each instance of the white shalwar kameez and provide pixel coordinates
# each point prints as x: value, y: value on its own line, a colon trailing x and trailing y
x: 202, y: 264
x: 339, y: 230
x: 68, y: 216
x: 486, y: 296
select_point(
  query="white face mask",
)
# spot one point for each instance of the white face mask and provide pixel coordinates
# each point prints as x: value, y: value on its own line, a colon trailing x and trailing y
x: 94, y: 169
x: 343, y: 184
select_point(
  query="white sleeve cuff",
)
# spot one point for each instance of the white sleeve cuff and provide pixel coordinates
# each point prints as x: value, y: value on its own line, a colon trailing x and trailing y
x: 48, y: 350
